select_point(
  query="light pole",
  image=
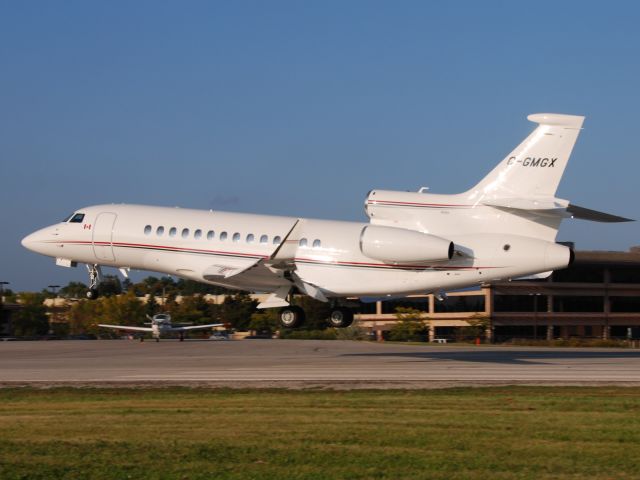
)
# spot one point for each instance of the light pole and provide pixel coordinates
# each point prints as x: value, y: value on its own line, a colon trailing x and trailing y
x: 2, y: 284
x: 53, y: 289
x: 535, y: 315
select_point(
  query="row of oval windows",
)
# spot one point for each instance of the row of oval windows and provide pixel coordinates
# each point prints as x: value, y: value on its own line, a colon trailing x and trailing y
x: 250, y: 238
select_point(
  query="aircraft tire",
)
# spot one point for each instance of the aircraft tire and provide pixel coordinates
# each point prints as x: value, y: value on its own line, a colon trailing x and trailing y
x: 291, y: 317
x: 340, y: 317
x: 92, y: 294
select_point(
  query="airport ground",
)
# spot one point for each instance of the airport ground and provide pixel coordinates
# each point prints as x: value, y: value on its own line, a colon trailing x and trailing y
x: 308, y: 363
x: 278, y: 409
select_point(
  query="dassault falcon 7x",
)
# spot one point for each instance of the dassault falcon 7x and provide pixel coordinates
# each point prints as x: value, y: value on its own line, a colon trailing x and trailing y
x: 161, y: 324
x: 415, y: 242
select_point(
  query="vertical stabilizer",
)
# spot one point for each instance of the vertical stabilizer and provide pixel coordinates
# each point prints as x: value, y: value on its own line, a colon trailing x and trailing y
x: 535, y: 167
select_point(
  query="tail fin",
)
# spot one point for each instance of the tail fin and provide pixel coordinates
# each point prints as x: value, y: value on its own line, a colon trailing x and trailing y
x: 535, y: 167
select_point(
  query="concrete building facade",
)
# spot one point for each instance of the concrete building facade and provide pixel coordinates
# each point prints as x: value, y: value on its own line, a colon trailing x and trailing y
x: 597, y: 297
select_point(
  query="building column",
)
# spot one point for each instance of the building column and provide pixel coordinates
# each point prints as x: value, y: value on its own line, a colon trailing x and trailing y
x: 606, y: 329
x: 488, y: 333
x: 432, y: 332
x: 549, y: 332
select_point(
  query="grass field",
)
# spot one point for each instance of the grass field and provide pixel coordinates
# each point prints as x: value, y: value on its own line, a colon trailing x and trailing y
x: 487, y: 433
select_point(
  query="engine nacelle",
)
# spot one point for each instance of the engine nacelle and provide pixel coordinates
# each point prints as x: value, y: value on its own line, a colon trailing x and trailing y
x: 398, y: 245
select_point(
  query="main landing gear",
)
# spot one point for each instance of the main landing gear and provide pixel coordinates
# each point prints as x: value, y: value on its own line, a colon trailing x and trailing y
x: 95, y: 277
x: 293, y: 316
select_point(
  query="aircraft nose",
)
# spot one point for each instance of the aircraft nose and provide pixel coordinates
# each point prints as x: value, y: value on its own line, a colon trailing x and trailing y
x: 29, y: 241
x: 36, y: 241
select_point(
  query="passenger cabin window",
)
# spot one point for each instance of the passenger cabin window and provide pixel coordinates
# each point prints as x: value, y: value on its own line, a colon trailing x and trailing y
x: 197, y: 234
x: 210, y: 235
x: 303, y: 242
x: 77, y: 218
x: 264, y: 239
x: 276, y: 240
x: 185, y: 232
x: 160, y: 231
x: 236, y: 237
x: 316, y: 243
x: 251, y: 238
x: 223, y: 236
x: 147, y: 230
x: 173, y: 231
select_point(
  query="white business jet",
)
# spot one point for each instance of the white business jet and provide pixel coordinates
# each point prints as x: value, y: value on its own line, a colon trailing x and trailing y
x: 415, y: 242
x: 160, y: 325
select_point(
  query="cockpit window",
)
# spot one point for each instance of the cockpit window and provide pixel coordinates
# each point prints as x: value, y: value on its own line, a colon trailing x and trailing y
x: 67, y: 218
x: 77, y: 218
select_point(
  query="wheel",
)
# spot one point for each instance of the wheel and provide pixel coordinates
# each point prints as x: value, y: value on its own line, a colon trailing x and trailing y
x: 92, y: 294
x: 340, y: 317
x: 291, y: 317
x: 157, y: 340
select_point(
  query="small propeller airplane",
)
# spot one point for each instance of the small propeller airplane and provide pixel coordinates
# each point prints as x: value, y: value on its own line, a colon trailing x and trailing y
x: 414, y: 242
x: 161, y: 325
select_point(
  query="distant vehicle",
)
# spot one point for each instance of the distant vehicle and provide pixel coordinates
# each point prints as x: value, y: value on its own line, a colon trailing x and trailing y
x: 219, y: 336
x: 161, y: 325
x: 415, y: 242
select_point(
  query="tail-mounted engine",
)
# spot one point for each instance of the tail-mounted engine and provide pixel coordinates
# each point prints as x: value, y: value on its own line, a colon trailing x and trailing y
x: 399, y: 245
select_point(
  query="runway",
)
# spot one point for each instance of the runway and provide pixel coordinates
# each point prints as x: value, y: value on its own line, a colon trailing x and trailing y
x: 303, y: 364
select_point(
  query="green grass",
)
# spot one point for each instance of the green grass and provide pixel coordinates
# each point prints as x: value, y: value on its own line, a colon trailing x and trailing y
x: 487, y: 433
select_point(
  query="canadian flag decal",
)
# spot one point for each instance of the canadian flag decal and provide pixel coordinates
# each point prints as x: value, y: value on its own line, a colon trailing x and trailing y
x: 87, y: 226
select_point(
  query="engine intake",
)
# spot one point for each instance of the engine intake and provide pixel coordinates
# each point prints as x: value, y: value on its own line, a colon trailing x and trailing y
x: 398, y: 245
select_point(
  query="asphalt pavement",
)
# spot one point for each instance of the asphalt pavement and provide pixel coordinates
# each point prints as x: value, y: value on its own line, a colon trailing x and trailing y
x: 308, y: 363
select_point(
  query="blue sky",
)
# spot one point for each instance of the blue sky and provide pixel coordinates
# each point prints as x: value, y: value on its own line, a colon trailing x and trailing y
x: 300, y: 108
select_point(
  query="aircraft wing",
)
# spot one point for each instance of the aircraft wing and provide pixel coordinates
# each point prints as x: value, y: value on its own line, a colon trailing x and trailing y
x: 196, y: 327
x: 125, y: 327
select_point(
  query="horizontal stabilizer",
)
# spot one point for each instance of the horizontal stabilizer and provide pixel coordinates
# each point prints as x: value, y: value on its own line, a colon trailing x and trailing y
x: 552, y: 207
x: 594, y: 215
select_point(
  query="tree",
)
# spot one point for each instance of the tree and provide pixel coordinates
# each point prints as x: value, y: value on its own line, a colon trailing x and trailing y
x: 82, y: 317
x: 237, y: 309
x: 124, y: 309
x: 109, y: 286
x: 74, y: 290
x: 32, y: 318
x: 264, y: 321
x: 151, y: 307
x: 478, y: 325
x: 410, y: 327
x: 194, y: 309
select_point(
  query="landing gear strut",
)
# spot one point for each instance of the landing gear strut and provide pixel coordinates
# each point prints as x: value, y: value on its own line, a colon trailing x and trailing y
x: 340, y: 317
x: 95, y: 277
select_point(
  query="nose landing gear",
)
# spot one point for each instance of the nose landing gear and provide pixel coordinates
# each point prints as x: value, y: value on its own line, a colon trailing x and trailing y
x: 95, y: 277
